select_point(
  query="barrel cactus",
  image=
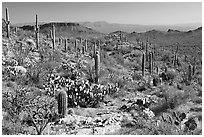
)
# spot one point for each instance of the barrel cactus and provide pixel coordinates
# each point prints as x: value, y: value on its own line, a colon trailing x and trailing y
x: 62, y: 103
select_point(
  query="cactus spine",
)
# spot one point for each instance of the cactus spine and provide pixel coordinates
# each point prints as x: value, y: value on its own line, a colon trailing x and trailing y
x: 62, y: 103
x: 7, y: 24
x: 52, y: 35
x: 97, y: 66
x: 36, y: 31
x: 143, y: 64
x: 150, y: 63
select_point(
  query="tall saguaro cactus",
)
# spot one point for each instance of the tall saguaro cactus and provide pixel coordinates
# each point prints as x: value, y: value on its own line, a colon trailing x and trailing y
x: 36, y: 31
x: 62, y: 103
x: 189, y: 72
x: 97, y: 66
x: 94, y: 49
x: 76, y: 46
x: 143, y: 64
x: 59, y: 41
x: 65, y: 44
x: 175, y: 61
x: 86, y: 45
x: 7, y: 24
x: 146, y: 51
x: 150, y: 63
x: 52, y: 35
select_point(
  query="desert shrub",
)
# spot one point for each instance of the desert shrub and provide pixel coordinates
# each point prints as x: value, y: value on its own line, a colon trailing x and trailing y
x: 119, y: 59
x: 172, y: 98
x: 125, y: 50
x: 23, y: 110
x: 166, y: 57
x: 136, y: 76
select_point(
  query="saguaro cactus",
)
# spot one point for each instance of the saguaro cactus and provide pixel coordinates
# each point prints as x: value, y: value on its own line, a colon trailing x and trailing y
x: 143, y: 64
x: 146, y: 51
x: 189, y: 72
x: 150, y: 63
x: 59, y: 41
x: 36, y: 31
x: 157, y: 70
x: 7, y: 24
x: 86, y: 45
x: 62, y: 103
x: 175, y: 60
x: 83, y: 49
x: 97, y: 66
x: 65, y: 44
x: 16, y: 30
x: 94, y: 49
x: 76, y: 46
x: 185, y: 58
x: 52, y: 35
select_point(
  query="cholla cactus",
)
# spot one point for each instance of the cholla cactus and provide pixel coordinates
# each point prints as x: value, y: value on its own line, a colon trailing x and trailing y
x: 7, y: 23
x: 62, y: 103
x: 97, y: 66
x: 143, y: 64
x: 52, y: 35
x: 36, y: 31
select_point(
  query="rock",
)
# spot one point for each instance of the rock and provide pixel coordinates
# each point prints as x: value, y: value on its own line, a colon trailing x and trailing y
x: 148, y: 113
x: 191, y: 124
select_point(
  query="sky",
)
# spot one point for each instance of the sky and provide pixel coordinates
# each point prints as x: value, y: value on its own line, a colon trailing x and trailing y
x: 147, y: 13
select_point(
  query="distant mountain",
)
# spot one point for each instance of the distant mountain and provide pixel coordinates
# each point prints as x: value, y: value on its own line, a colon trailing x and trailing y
x: 25, y: 24
x: 66, y: 30
x: 185, y: 39
x: 105, y: 27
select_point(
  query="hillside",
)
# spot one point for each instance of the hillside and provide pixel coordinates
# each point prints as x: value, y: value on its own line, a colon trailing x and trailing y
x: 105, y: 27
x: 186, y: 40
x: 119, y: 85
x: 66, y: 30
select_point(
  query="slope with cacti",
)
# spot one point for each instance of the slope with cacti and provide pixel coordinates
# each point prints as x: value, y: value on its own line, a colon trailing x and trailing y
x: 100, y: 85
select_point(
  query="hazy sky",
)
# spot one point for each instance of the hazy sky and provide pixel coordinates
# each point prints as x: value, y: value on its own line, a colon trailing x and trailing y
x: 147, y: 13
